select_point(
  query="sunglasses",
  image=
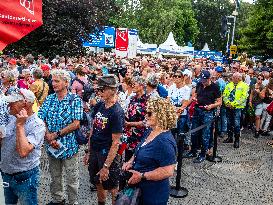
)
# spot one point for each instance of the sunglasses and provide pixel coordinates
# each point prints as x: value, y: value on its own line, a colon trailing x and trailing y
x: 260, y: 78
x: 149, y: 114
x: 177, y: 76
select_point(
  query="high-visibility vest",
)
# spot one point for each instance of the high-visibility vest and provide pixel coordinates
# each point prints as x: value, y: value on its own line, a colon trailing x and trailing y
x: 240, y: 97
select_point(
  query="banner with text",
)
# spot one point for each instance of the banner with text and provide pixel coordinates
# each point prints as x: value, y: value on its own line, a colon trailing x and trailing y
x: 17, y: 19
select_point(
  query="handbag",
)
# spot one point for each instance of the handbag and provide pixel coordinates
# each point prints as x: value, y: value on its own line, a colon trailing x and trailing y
x: 129, y: 196
x: 269, y: 108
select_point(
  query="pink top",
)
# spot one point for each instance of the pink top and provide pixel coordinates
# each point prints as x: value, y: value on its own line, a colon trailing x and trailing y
x: 22, y: 84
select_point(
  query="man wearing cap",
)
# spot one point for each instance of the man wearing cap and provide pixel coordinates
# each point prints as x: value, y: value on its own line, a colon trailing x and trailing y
x: 208, y: 97
x: 12, y: 65
x: 21, y: 149
x: 62, y: 112
x: 47, y: 78
x: 104, y: 165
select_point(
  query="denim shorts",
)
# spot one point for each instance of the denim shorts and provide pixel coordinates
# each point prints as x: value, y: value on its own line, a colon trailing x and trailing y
x: 21, y: 187
x: 96, y: 161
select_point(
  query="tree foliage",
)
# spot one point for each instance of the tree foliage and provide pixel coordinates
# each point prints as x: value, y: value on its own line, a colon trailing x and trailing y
x: 209, y: 14
x: 155, y: 19
x: 257, y: 36
x: 66, y: 22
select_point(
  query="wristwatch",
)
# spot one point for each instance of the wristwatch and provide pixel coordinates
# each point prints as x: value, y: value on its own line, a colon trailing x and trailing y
x: 105, y: 166
x: 143, y: 178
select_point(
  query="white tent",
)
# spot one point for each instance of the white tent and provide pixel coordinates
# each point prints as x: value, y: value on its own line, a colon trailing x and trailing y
x: 169, y: 43
x: 206, y: 47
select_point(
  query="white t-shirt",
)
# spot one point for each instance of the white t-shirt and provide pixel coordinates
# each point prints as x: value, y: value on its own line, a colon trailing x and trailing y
x: 265, y: 82
x: 178, y: 95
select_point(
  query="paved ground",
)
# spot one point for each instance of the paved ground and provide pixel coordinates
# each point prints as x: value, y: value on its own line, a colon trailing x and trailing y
x: 245, y: 177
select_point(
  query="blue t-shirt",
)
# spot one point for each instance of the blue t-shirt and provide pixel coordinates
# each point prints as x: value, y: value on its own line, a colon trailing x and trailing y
x: 106, y: 121
x: 160, y: 152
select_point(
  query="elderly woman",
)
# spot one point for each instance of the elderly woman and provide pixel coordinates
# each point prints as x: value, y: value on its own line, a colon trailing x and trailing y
x: 155, y: 157
x: 8, y: 80
x: 39, y: 87
x: 27, y: 79
x: 135, y: 115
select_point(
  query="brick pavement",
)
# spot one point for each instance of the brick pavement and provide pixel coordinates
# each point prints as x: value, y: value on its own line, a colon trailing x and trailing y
x: 245, y: 177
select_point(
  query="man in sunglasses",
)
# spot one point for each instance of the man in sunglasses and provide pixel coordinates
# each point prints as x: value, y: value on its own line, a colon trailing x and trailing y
x: 21, y: 149
x: 208, y: 97
x: 104, y: 166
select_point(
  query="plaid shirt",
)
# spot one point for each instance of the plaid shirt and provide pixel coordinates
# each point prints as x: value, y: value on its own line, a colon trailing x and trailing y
x: 58, y: 115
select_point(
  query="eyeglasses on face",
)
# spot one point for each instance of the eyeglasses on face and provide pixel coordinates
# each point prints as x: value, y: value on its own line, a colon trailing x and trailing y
x: 149, y: 114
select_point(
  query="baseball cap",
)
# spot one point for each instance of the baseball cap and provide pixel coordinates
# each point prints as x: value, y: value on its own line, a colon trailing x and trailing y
x: 219, y: 69
x: 45, y: 67
x: 109, y: 80
x: 12, y: 61
x: 205, y: 75
x: 20, y: 94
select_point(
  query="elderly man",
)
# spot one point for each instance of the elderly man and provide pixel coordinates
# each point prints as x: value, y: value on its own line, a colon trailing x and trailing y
x: 104, y: 166
x: 234, y: 97
x: 62, y: 112
x: 21, y: 149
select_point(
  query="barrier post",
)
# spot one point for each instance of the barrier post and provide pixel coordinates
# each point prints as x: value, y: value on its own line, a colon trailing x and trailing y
x: 177, y: 191
x: 214, y: 157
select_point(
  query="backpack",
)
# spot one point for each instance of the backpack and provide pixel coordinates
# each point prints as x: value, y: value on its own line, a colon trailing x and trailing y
x: 87, y: 90
x: 82, y: 134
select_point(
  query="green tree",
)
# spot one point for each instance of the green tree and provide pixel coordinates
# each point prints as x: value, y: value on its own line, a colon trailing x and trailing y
x: 209, y: 14
x: 257, y: 36
x: 66, y: 22
x: 156, y: 18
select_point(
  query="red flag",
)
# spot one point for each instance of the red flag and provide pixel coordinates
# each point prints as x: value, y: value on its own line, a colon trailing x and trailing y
x: 17, y: 19
x: 122, y: 39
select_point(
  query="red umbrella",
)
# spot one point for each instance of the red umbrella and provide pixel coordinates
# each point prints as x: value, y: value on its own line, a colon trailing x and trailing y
x: 17, y: 19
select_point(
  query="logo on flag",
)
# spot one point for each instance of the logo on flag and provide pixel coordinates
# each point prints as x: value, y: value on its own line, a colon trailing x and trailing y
x: 28, y: 5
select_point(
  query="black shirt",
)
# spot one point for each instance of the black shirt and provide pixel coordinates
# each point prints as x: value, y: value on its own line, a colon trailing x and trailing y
x: 48, y: 80
x: 207, y: 95
x: 107, y: 121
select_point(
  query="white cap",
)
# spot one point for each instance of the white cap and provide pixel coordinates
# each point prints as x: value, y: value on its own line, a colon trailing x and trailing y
x: 187, y: 72
x: 20, y: 94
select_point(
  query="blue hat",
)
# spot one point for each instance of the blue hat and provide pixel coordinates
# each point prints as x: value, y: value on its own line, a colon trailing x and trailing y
x: 219, y: 69
x: 205, y: 75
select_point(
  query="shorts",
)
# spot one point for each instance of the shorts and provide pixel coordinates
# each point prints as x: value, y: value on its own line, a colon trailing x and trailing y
x: 259, y: 109
x: 96, y: 161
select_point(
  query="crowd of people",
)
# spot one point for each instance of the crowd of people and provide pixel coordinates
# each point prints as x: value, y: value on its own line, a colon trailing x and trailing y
x: 126, y: 110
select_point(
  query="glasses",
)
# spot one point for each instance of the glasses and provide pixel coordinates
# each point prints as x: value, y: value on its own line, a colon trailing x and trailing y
x: 177, y: 76
x: 260, y: 78
x: 149, y: 114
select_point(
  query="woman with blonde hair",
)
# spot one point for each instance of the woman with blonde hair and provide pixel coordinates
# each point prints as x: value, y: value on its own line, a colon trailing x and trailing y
x: 155, y: 156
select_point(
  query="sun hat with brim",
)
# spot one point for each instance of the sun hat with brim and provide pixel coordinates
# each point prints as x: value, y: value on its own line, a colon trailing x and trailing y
x: 20, y: 94
x: 108, y: 81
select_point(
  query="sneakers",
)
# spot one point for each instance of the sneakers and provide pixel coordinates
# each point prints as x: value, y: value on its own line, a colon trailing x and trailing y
x: 190, y: 155
x: 265, y: 133
x: 57, y: 203
x: 199, y: 159
x: 257, y: 134
x: 228, y: 140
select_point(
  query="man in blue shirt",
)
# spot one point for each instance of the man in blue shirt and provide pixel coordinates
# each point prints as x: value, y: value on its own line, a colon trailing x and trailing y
x: 62, y: 113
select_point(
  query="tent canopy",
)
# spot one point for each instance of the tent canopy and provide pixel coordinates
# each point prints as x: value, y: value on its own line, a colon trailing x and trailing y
x: 206, y: 47
x: 170, y: 42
